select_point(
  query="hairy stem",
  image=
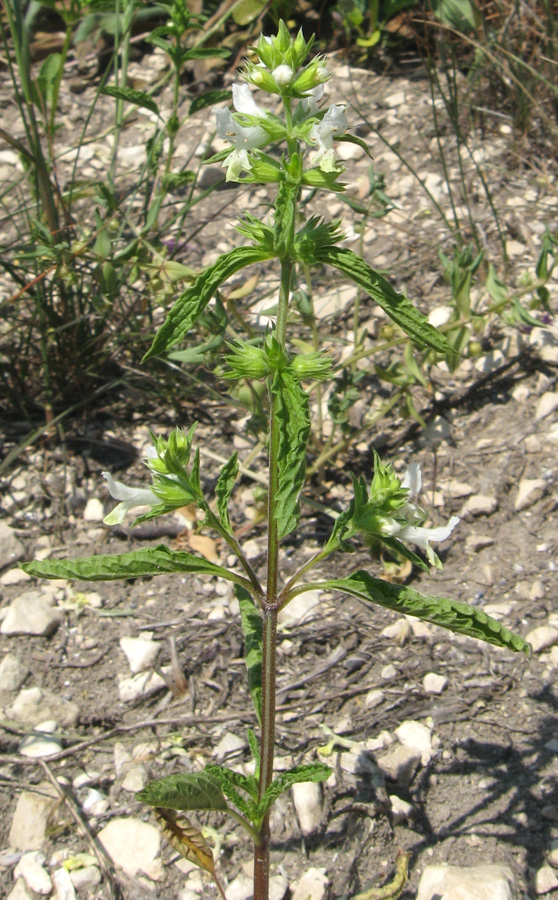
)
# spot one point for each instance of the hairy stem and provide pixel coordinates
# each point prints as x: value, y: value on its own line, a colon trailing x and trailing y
x: 270, y: 607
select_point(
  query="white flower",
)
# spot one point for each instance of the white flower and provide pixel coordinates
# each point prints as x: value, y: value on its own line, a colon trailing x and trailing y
x: 283, y: 75
x: 310, y: 103
x: 244, y: 137
x: 422, y: 537
x: 244, y: 102
x: 129, y: 497
x: 412, y: 480
x: 417, y: 534
x: 333, y: 122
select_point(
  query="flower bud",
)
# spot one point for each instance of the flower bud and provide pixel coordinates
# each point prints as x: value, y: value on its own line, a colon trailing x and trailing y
x: 283, y: 75
x: 312, y: 366
x: 246, y: 361
x: 310, y: 77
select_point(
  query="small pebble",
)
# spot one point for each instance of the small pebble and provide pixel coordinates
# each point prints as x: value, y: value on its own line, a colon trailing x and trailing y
x: 433, y: 683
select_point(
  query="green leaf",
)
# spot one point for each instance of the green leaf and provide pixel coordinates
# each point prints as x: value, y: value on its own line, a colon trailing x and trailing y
x: 131, y: 95
x: 253, y: 642
x: 223, y: 489
x: 247, y: 10
x: 353, y: 139
x: 150, y: 561
x: 206, y: 53
x: 463, y: 15
x: 314, y: 177
x: 192, y: 302
x: 291, y: 410
x: 208, y: 99
x: 285, y: 210
x: 197, y: 790
x: 496, y: 288
x: 230, y: 781
x: 452, y: 614
x: 397, y: 306
x: 310, y: 772
x: 48, y: 75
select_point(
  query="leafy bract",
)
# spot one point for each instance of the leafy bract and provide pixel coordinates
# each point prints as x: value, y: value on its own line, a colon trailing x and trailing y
x: 191, y: 790
x: 398, y: 307
x: 148, y: 561
x: 192, y: 302
x: 308, y: 772
x: 291, y: 410
x: 131, y: 95
x: 223, y: 489
x: 253, y: 641
x: 185, y: 838
x: 451, y: 614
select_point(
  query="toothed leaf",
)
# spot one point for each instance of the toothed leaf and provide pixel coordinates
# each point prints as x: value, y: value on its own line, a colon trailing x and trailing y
x: 451, y: 614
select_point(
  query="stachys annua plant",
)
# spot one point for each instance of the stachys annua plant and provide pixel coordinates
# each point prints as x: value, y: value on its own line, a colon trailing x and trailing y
x: 385, y: 510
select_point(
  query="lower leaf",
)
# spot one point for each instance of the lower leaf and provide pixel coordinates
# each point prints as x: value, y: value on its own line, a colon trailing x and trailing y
x: 451, y: 614
x: 185, y: 838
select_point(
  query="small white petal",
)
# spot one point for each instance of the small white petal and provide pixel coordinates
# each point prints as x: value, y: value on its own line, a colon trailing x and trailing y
x: 225, y: 123
x: 130, y: 496
x: 422, y: 536
x: 309, y: 104
x: 244, y: 102
x: 413, y: 480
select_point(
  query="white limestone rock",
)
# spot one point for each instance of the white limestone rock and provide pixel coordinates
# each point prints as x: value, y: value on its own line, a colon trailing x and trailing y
x: 11, y: 548
x: 546, y: 405
x: 94, y: 510
x: 546, y: 880
x: 14, y: 576
x: 12, y: 673
x: 131, y: 844
x: 400, y: 764
x: 301, y: 608
x: 31, y: 869
x: 476, y: 542
x: 240, y: 888
x: 230, y: 745
x: 542, y: 637
x: 86, y: 878
x: 63, y: 886
x: 487, y: 882
x: 416, y: 736
x: 39, y: 746
x: 373, y: 698
x: 31, y: 614
x: 144, y: 684
x: 29, y: 823
x: 401, y: 810
x: 21, y: 892
x: 308, y: 801
x: 312, y: 886
x: 480, y: 505
x: 141, y: 653
x: 35, y: 705
x: 433, y: 683
x: 529, y: 491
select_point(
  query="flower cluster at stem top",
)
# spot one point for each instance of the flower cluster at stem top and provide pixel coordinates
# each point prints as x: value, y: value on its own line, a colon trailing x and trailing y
x: 280, y: 70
